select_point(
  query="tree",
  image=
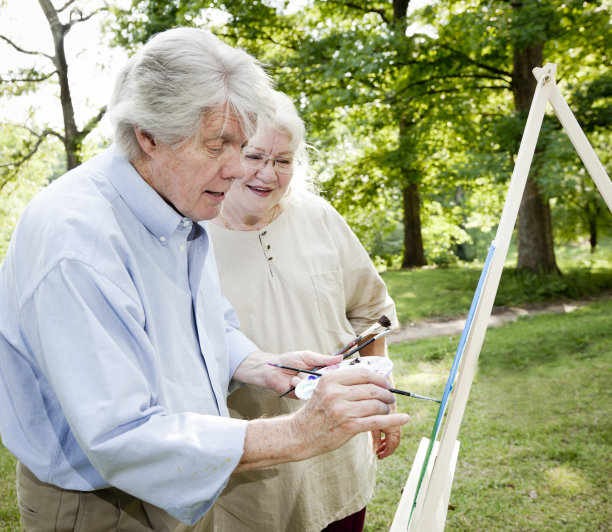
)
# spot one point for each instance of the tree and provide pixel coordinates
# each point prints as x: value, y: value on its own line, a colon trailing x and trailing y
x: 32, y: 77
x: 377, y: 98
x: 508, y: 38
x: 342, y: 61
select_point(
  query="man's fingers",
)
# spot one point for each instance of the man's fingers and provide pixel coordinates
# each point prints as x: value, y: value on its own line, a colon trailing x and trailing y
x: 377, y: 422
x: 374, y: 422
x: 356, y: 375
x: 362, y: 392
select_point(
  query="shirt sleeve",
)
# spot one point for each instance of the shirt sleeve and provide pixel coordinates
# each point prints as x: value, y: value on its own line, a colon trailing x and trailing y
x: 239, y: 345
x: 92, y: 346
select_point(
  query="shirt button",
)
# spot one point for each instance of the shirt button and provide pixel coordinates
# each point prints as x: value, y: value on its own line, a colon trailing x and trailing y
x: 186, y: 223
x: 162, y: 238
x: 182, y: 248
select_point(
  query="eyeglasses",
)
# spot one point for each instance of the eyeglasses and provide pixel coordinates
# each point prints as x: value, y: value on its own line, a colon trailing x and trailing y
x: 258, y: 161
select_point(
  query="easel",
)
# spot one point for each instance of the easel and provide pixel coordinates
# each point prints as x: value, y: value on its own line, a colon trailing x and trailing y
x: 424, y: 502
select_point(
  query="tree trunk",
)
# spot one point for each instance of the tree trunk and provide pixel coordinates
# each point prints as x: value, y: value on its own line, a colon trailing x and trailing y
x: 536, y: 250
x: 535, y: 238
x: 414, y: 255
x: 71, y: 134
x: 593, y: 233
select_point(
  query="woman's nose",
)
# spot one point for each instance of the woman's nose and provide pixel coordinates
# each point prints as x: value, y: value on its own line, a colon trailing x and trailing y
x: 267, y: 173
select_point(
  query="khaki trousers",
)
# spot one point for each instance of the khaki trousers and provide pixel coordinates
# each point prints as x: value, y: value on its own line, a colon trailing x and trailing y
x: 45, y: 508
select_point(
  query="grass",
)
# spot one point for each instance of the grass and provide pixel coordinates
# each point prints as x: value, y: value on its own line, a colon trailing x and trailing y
x: 9, y: 514
x: 536, y: 435
x: 442, y: 292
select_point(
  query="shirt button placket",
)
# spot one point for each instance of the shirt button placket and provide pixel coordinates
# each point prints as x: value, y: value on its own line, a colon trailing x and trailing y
x: 266, y: 248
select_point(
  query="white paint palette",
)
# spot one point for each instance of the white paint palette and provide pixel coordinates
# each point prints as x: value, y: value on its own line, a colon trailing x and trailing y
x: 380, y: 365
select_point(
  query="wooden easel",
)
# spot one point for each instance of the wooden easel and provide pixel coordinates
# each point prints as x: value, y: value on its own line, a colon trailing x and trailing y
x: 432, y: 472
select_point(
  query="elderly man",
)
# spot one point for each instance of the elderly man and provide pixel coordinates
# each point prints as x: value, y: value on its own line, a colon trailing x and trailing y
x: 116, y: 345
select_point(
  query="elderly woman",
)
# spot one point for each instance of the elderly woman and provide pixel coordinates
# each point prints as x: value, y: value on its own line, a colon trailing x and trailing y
x: 298, y: 278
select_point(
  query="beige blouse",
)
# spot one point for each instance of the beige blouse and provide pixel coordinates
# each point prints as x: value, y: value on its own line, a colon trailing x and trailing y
x: 302, y: 282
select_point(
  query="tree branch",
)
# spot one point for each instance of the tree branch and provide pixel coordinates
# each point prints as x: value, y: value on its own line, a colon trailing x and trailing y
x: 45, y: 133
x: 477, y: 63
x: 13, y: 166
x: 458, y: 76
x: 93, y: 122
x: 65, y: 6
x: 21, y: 50
x: 83, y: 18
x: 28, y: 80
x: 379, y: 12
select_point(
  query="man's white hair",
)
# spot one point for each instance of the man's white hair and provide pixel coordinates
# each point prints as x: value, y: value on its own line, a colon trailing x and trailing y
x: 169, y: 85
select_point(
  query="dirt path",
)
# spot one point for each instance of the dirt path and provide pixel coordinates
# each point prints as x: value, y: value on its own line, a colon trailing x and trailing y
x: 448, y: 326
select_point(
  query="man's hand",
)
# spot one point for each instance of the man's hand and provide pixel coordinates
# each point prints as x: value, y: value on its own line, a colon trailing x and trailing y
x: 345, y: 402
x: 255, y: 369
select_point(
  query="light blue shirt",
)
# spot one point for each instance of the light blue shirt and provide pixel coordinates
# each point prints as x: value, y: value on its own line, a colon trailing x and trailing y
x: 116, y: 345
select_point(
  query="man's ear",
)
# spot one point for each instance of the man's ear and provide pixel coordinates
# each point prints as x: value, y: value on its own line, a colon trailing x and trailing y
x: 146, y: 141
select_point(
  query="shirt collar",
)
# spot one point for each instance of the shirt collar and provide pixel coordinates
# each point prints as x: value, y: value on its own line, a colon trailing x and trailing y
x: 142, y: 199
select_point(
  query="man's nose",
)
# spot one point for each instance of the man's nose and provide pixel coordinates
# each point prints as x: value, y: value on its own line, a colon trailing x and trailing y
x: 233, y: 167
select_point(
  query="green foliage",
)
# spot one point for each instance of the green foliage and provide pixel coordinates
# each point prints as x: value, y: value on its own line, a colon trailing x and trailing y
x: 34, y: 175
x: 385, y: 106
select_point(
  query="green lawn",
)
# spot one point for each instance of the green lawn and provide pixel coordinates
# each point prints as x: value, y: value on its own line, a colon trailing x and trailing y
x: 441, y: 292
x: 9, y: 515
x: 537, y: 433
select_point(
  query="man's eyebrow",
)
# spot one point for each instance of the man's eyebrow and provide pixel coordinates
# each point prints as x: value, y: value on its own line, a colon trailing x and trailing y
x: 226, y: 136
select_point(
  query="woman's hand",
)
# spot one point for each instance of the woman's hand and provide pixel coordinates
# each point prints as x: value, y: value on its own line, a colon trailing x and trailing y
x: 386, y: 441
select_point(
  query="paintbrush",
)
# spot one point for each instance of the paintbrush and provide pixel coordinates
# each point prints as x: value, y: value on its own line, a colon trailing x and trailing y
x: 383, y: 320
x: 357, y: 348
x: 394, y: 390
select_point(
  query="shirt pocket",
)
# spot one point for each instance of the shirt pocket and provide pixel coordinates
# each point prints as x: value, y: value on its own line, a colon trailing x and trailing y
x: 329, y: 293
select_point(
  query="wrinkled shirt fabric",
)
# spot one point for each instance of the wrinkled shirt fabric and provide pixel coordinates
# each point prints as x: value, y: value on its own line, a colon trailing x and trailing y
x: 116, y: 345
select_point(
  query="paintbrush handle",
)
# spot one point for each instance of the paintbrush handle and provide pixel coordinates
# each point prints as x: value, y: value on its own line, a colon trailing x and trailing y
x: 413, y: 395
x: 368, y: 342
x: 352, y: 344
x: 348, y: 346
x: 309, y: 371
x: 358, y: 339
x: 393, y: 390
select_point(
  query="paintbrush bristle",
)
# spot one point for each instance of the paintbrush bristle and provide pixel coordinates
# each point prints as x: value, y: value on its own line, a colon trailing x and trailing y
x: 384, y: 321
